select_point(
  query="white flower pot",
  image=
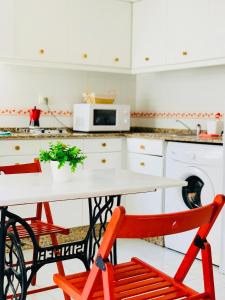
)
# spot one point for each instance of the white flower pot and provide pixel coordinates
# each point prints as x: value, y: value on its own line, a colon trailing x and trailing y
x: 63, y: 174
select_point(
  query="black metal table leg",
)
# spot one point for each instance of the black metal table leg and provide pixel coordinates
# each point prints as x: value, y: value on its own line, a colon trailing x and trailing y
x: 100, y: 212
x: 13, y: 279
x: 2, y: 250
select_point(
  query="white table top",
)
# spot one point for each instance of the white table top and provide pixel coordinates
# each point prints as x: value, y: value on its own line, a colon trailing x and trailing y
x: 39, y: 187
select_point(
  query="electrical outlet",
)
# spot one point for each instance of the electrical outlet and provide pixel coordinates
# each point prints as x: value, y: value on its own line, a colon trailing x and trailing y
x: 43, y: 100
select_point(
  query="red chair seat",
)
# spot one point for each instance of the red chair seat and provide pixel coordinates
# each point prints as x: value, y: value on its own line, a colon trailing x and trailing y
x: 134, y: 280
x: 40, y: 228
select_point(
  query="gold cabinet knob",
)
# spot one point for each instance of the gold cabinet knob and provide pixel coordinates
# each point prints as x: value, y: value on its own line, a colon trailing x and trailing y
x: 116, y: 59
x: 142, y: 147
x: 184, y: 53
x: 147, y: 58
x: 104, y: 144
x: 142, y: 164
x: 103, y: 161
x: 42, y: 51
x: 85, y: 56
x: 17, y: 147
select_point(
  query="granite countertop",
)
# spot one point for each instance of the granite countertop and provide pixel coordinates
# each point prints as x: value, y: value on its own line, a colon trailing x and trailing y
x: 159, y: 134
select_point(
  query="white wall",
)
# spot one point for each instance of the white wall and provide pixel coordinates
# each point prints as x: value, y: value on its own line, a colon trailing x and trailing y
x: 191, y: 90
x: 21, y: 86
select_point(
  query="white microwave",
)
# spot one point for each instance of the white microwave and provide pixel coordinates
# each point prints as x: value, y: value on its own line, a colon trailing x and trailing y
x: 101, y: 117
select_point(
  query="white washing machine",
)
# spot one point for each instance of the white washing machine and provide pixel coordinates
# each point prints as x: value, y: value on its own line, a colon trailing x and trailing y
x: 201, y: 166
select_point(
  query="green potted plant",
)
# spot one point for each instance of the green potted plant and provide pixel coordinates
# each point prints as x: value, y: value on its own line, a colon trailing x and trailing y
x: 63, y: 159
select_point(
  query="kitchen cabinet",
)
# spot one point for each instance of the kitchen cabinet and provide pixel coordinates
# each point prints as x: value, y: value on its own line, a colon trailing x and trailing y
x: 80, y: 32
x: 41, y: 30
x: 216, y: 22
x: 7, y: 26
x: 149, y: 36
x: 113, y: 36
x: 187, y: 31
x: 100, y: 33
x: 101, y: 154
x: 150, y: 162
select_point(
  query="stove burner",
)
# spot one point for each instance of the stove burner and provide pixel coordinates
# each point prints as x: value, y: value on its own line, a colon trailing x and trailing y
x: 40, y: 131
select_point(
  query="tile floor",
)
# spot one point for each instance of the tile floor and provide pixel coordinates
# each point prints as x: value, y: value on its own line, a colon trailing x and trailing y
x: 162, y: 258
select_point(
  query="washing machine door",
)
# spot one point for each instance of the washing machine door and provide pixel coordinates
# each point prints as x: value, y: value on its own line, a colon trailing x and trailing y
x: 199, y: 191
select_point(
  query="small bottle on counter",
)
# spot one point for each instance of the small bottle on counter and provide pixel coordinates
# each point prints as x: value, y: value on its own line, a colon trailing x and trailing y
x: 198, y: 129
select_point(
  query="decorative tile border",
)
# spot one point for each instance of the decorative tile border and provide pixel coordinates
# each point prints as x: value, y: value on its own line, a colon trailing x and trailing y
x: 25, y: 112
x: 135, y: 114
x: 173, y: 115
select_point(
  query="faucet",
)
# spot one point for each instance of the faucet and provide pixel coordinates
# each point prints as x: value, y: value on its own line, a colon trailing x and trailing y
x: 185, y: 125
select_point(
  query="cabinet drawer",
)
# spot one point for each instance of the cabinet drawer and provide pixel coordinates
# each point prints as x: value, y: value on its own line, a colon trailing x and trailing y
x: 145, y: 164
x: 72, y: 142
x: 16, y: 159
x: 102, y: 145
x: 145, y: 146
x: 19, y: 147
x: 103, y: 161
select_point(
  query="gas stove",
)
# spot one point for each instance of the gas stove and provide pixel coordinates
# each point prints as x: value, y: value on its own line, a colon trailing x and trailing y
x: 40, y: 131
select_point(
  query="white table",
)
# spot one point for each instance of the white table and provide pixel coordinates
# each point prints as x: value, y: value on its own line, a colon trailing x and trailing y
x: 103, y: 188
x: 39, y: 187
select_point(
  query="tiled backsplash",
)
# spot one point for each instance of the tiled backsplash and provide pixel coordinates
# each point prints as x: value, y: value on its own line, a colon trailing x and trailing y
x: 134, y: 114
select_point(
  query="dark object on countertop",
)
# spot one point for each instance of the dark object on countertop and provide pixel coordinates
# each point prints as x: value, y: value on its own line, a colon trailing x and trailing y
x: 5, y: 133
x: 34, y: 117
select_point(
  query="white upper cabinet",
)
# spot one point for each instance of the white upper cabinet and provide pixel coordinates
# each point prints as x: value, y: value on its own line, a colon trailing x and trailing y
x: 217, y: 28
x: 149, y: 24
x: 112, y: 35
x: 187, y: 30
x: 116, y: 33
x: 41, y: 29
x: 100, y: 33
x: 7, y: 26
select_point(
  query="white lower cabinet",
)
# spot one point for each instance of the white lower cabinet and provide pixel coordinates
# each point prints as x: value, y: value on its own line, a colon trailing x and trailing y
x: 150, y: 203
x: 103, y: 161
x: 101, y: 154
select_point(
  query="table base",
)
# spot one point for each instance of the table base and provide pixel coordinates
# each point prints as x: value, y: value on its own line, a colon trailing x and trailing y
x: 16, y: 275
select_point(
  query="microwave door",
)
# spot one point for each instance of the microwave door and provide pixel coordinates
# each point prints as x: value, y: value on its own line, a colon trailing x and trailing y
x: 104, y: 118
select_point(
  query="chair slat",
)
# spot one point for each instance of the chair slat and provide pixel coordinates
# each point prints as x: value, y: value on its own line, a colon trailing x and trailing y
x: 160, y: 225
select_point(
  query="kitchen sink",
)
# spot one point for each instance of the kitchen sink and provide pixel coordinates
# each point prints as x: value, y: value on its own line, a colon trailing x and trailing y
x: 182, y: 135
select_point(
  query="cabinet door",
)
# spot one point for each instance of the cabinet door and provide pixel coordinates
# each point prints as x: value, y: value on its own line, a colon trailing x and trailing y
x: 150, y: 203
x: 100, y: 161
x: 7, y: 33
x: 41, y: 29
x: 115, y: 46
x: 100, y: 33
x: 149, y: 21
x: 217, y: 28
x: 187, y: 35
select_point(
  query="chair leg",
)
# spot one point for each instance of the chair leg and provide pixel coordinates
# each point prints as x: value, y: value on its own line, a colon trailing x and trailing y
x: 34, y: 279
x: 208, y: 271
x: 55, y: 243
x: 38, y: 217
x: 107, y: 278
x: 59, y: 263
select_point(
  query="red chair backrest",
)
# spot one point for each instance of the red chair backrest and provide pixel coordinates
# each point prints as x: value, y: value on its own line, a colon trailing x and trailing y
x: 132, y: 226
x: 34, y: 167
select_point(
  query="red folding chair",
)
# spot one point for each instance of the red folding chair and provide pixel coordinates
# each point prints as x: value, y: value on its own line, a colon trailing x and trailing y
x: 136, y: 279
x: 38, y: 226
